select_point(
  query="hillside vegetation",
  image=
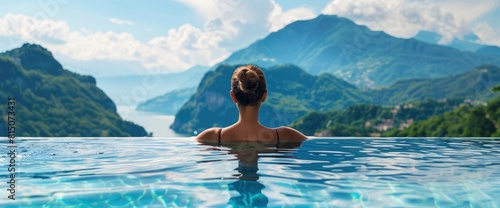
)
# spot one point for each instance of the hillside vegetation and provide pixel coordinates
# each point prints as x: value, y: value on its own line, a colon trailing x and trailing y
x: 52, y: 101
x: 294, y: 92
x: 466, y: 121
x: 371, y: 120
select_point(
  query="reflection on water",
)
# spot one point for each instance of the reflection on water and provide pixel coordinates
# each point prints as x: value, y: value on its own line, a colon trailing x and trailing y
x: 248, y: 186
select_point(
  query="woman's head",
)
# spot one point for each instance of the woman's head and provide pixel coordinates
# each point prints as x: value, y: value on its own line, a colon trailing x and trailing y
x: 248, y: 85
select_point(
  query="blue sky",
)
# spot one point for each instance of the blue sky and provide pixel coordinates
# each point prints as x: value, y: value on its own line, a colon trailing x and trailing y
x: 107, y: 38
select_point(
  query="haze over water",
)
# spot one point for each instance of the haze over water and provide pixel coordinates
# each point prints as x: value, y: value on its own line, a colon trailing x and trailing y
x: 157, y: 123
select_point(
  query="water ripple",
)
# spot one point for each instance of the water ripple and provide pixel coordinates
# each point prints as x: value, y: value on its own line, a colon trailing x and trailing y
x: 324, y: 172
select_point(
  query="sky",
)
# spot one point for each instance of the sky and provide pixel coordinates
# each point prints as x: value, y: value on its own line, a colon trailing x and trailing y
x: 112, y: 38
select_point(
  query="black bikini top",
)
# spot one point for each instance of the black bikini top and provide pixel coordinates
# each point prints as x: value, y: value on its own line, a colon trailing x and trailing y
x: 277, y: 136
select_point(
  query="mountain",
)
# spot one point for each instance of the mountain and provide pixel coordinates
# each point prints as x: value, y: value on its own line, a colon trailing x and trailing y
x: 168, y: 103
x: 371, y: 120
x: 292, y: 92
x: 428, y: 37
x: 474, y: 84
x: 468, y: 42
x: 134, y: 89
x: 54, y: 102
x: 355, y: 53
x: 489, y: 50
x: 466, y: 121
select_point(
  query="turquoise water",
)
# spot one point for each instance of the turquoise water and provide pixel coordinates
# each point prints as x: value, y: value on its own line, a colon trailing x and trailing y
x: 322, y: 172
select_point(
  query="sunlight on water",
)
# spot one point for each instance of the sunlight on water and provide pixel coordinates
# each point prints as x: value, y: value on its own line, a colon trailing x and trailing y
x: 172, y: 172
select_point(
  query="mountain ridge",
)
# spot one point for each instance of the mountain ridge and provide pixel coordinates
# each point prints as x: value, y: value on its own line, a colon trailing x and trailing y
x: 293, y: 92
x: 469, y: 42
x: 168, y: 103
x: 52, y: 101
x: 211, y: 105
x: 354, y: 53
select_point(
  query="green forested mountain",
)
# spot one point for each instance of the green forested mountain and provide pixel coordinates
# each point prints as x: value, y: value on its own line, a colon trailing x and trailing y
x: 292, y: 92
x: 465, y: 121
x: 473, y: 84
x: 356, y: 54
x: 371, y: 120
x: 168, y: 103
x: 52, y: 101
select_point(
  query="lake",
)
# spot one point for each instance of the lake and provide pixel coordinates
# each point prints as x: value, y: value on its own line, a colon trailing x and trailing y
x: 153, y: 122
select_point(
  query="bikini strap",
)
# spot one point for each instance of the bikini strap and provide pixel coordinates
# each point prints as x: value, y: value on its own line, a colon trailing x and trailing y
x: 277, y: 136
x: 219, y: 144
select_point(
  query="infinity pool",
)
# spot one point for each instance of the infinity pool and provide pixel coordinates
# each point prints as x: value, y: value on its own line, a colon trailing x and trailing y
x: 321, y: 172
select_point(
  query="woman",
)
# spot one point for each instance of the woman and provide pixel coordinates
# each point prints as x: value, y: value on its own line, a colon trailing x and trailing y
x: 249, y: 91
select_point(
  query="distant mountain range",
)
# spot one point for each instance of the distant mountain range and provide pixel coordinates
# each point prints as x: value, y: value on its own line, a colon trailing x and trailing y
x: 54, y: 102
x: 168, y: 103
x: 395, y: 70
x: 349, y: 51
x: 293, y: 92
x: 135, y: 89
x: 490, y: 50
x: 469, y: 42
x: 428, y: 118
x: 356, y: 54
x: 474, y: 84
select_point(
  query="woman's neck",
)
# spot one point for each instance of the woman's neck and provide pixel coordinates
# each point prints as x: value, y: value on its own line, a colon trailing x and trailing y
x: 249, y: 115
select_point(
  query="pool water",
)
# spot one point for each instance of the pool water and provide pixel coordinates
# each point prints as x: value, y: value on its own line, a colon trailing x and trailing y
x: 321, y: 172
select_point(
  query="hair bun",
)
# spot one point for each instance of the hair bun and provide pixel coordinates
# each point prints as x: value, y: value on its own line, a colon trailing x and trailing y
x: 248, y: 80
x: 248, y: 85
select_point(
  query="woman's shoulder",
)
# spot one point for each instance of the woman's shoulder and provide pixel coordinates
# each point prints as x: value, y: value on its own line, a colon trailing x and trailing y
x: 211, y: 134
x: 290, y: 134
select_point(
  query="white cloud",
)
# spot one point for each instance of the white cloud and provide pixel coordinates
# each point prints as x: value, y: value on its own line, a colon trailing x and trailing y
x: 487, y: 34
x: 179, y: 49
x: 468, y: 10
x: 184, y: 46
x: 120, y: 22
x: 230, y: 25
x: 80, y: 45
x: 403, y: 18
x: 238, y: 23
x: 31, y: 29
x: 398, y: 17
x: 207, y: 8
x: 102, y: 46
x: 280, y: 19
